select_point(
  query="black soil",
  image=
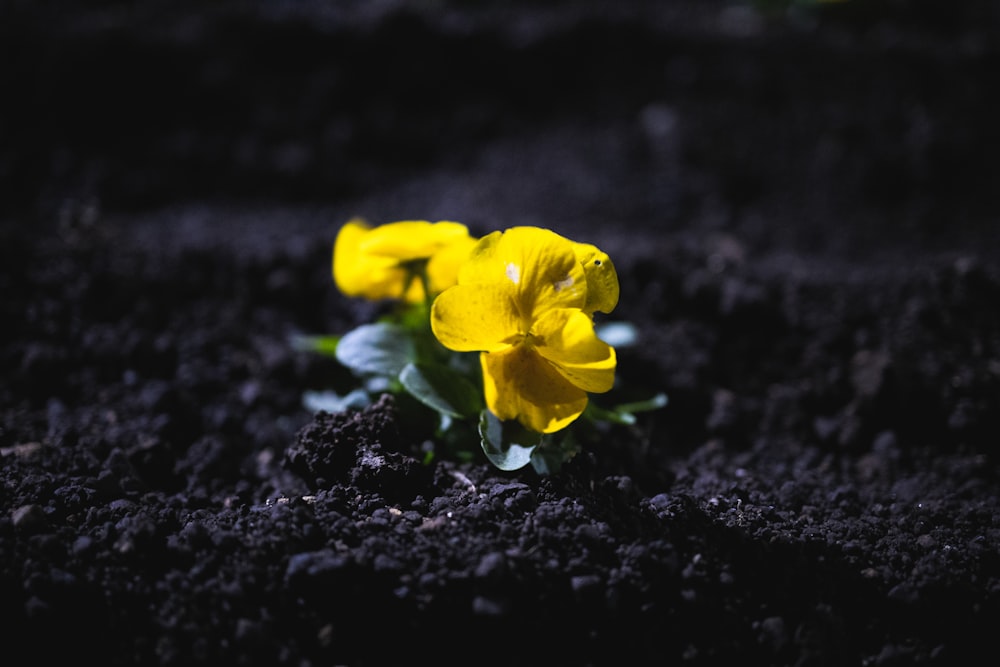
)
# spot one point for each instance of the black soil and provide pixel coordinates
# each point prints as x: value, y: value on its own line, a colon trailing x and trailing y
x: 802, y: 203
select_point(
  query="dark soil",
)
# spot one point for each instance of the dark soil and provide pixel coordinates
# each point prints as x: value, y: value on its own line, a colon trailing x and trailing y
x: 803, y: 206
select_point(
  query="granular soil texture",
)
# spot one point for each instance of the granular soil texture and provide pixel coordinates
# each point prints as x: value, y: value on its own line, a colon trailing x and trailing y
x: 802, y: 215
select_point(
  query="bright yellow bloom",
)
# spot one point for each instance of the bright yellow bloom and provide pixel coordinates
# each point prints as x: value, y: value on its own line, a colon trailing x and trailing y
x: 385, y: 262
x: 525, y: 299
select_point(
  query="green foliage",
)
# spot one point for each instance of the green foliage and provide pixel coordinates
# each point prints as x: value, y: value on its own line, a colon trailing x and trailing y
x: 400, y: 355
x: 508, y: 445
x: 443, y: 389
x: 380, y: 349
x: 325, y: 345
x: 625, y: 412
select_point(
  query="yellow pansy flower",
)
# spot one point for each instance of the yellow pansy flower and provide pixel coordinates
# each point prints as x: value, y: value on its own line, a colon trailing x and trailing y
x: 525, y: 300
x: 385, y: 262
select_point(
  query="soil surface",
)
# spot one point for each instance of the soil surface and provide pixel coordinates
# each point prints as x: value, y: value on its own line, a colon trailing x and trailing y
x: 802, y: 203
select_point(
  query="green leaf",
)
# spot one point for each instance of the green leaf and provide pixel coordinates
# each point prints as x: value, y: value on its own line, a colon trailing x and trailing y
x: 507, y: 444
x: 548, y: 458
x: 326, y: 345
x: 376, y: 349
x: 618, y: 334
x: 596, y: 413
x: 654, y: 403
x: 415, y: 316
x: 332, y: 402
x: 442, y: 389
x: 625, y: 412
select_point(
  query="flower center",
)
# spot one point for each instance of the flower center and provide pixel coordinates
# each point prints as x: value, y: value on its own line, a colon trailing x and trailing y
x: 526, y: 339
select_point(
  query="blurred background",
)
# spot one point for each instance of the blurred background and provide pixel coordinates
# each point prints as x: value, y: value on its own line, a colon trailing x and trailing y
x: 836, y: 127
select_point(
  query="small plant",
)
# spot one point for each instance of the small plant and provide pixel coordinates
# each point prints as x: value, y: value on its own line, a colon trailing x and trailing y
x: 496, y: 335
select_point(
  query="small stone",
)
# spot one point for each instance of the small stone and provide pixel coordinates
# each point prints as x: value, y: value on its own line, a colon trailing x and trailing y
x: 28, y: 517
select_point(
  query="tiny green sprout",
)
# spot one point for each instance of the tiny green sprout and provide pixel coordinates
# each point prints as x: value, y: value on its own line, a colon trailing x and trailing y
x: 496, y: 335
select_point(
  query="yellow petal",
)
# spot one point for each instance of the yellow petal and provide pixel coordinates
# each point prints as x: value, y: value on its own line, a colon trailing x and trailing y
x: 412, y: 239
x: 345, y: 249
x: 519, y: 384
x: 359, y: 274
x: 444, y: 265
x: 474, y: 318
x: 566, y: 338
x: 540, y: 264
x: 602, y: 279
x: 482, y: 265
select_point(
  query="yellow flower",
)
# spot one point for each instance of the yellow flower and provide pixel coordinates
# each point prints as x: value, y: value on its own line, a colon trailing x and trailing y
x: 525, y: 299
x: 385, y: 262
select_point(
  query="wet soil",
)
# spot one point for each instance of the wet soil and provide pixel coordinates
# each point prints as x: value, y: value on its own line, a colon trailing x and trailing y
x: 802, y: 204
